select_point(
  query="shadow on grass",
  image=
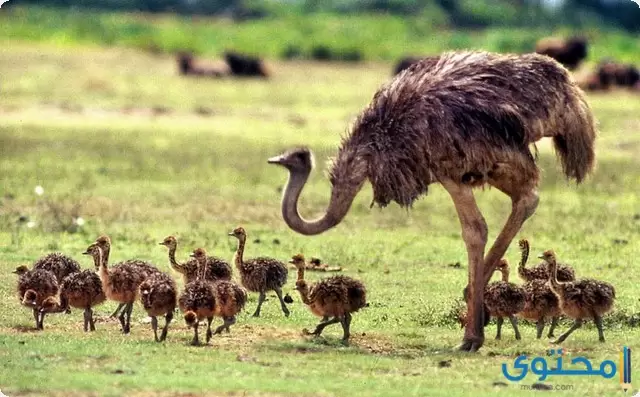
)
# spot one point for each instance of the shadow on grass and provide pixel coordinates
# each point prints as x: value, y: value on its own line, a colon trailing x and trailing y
x: 359, y: 346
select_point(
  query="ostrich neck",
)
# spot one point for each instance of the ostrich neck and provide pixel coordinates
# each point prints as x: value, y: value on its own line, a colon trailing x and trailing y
x: 301, y: 273
x: 202, y: 267
x: 237, y: 259
x: 523, y: 259
x: 172, y: 259
x: 505, y: 276
x: 105, y: 253
x: 553, y: 275
x: 101, y: 263
x: 304, y: 295
x: 341, y: 198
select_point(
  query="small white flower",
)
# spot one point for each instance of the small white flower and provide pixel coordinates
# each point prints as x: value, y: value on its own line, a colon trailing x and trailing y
x: 31, y: 224
x: 39, y: 190
x: 79, y: 221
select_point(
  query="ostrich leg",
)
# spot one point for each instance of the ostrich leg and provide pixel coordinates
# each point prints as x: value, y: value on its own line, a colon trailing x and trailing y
x: 474, y: 234
x: 524, y: 200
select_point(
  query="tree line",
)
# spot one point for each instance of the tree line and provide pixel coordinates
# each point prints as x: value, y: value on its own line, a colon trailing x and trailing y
x: 624, y: 14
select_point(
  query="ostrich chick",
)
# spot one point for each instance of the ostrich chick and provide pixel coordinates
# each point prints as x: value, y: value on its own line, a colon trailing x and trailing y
x: 146, y: 269
x: 158, y: 296
x: 216, y: 268
x: 565, y: 273
x: 336, y: 296
x: 540, y: 301
x: 260, y: 274
x: 230, y: 298
x: 119, y: 282
x: 504, y: 299
x: 34, y: 287
x: 580, y: 299
x: 198, y: 302
x: 58, y: 264
x: 82, y: 290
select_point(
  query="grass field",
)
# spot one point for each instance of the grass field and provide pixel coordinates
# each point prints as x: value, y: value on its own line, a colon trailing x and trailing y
x: 143, y: 153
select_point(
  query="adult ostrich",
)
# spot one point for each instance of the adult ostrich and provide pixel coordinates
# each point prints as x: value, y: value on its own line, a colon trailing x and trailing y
x: 464, y: 122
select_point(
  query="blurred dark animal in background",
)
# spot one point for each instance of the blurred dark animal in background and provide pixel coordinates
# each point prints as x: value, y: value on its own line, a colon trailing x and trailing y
x: 570, y: 52
x: 187, y: 66
x: 246, y: 66
x: 610, y: 74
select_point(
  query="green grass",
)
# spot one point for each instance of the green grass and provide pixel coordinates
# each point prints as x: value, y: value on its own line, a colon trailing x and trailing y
x: 80, y: 122
x: 376, y: 37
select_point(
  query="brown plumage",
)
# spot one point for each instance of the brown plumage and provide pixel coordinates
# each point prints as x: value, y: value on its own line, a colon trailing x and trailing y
x: 580, y: 299
x: 404, y: 63
x: 407, y: 62
x: 34, y: 287
x: 565, y: 273
x: 119, y: 282
x: 260, y: 274
x: 540, y: 304
x: 464, y: 121
x: 81, y: 290
x: 158, y: 296
x: 198, y: 302
x: 570, y: 52
x: 216, y: 268
x: 230, y: 298
x: 143, y: 267
x: 59, y: 264
x: 504, y: 299
x: 336, y: 296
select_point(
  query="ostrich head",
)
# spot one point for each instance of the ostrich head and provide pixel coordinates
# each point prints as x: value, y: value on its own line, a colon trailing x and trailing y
x: 548, y: 256
x: 191, y: 318
x: 298, y: 160
x: 30, y: 298
x: 239, y: 233
x: 96, y: 252
x: 170, y: 242
x: 50, y: 305
x: 503, y: 266
x: 103, y: 241
x: 297, y: 260
x: 20, y: 270
x: 200, y: 254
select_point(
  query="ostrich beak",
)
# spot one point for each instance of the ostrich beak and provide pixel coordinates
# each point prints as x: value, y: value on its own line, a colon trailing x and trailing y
x: 192, y: 255
x: 291, y: 261
x: 541, y: 256
x: 275, y: 160
x: 86, y: 253
x: 161, y: 244
x: 231, y: 234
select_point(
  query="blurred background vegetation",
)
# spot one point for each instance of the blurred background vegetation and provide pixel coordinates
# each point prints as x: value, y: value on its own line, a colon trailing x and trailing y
x: 347, y: 30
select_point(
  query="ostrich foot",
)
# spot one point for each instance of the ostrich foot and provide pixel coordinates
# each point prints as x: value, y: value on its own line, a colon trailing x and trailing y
x: 470, y: 345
